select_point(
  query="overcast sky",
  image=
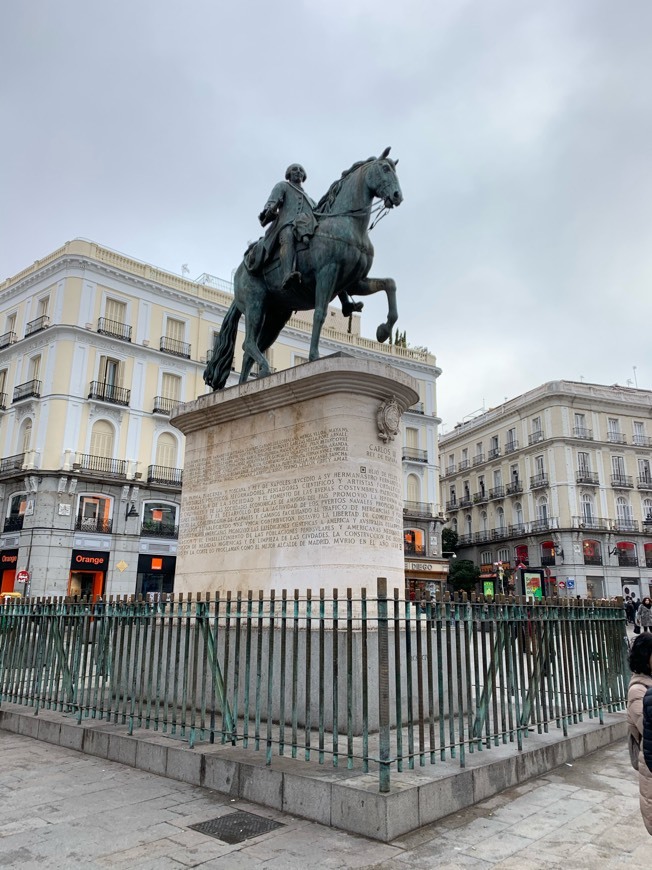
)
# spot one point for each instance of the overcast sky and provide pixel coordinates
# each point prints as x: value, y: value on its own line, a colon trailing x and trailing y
x: 522, y: 251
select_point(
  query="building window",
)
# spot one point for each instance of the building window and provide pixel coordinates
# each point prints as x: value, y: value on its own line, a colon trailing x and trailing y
x: 160, y: 519
x: 518, y: 513
x: 115, y: 310
x: 414, y: 542
x: 94, y: 513
x: 486, y: 557
x: 102, y: 435
x: 413, y: 488
x: 503, y: 556
x: 34, y: 368
x: 588, y: 509
x: 412, y: 437
x: 583, y: 462
x: 646, y: 505
x: 500, y: 519
x: 643, y: 470
x: 498, y: 478
x: 542, y: 509
x: 15, y: 512
x: 592, y: 552
x: 536, y: 425
x: 166, y: 450
x: 510, y: 442
x: 468, y: 523
x: 539, y: 467
x: 626, y: 553
x: 547, y: 553
x: 483, y: 521
x: 623, y: 511
x: 522, y: 556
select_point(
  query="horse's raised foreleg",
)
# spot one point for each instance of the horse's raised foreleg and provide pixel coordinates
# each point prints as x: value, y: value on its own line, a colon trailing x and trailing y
x: 369, y: 286
x: 325, y: 285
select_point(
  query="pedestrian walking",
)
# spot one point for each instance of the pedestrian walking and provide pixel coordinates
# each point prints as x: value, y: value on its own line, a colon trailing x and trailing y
x: 629, y: 609
x: 640, y: 663
x: 644, y: 614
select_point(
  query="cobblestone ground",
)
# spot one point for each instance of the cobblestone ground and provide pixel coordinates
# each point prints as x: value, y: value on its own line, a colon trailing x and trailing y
x: 59, y: 808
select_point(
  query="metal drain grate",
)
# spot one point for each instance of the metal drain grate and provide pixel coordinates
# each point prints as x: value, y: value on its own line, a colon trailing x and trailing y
x: 236, y: 827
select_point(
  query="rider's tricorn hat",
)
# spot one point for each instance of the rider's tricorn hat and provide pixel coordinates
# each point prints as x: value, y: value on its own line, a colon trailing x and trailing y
x: 292, y: 166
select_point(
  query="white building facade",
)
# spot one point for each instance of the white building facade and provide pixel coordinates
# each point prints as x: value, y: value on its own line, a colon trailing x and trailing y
x: 559, y: 478
x: 96, y: 349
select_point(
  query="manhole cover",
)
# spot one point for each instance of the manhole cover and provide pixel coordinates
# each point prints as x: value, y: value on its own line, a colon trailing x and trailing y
x: 236, y: 827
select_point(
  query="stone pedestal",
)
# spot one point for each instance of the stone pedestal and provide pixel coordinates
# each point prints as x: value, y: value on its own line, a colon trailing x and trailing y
x: 295, y: 481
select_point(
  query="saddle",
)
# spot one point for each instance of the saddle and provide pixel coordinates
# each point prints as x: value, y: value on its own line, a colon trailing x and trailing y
x: 257, y: 256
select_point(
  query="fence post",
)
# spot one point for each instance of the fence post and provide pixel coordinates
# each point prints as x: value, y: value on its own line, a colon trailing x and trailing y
x: 383, y: 684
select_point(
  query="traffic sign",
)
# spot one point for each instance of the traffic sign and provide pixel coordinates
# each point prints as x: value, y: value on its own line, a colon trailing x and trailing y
x: 22, y: 576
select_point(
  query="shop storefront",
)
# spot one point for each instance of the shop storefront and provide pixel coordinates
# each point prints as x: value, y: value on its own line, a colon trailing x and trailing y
x: 87, y: 574
x: 422, y: 576
x: 8, y: 562
x: 155, y: 574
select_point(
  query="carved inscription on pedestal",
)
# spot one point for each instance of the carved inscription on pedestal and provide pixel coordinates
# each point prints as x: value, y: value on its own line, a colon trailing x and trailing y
x: 324, y: 508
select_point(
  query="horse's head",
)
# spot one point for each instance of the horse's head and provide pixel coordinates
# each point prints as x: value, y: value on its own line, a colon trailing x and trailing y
x: 383, y: 180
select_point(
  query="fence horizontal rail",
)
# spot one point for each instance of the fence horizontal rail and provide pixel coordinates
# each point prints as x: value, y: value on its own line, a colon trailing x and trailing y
x: 377, y: 682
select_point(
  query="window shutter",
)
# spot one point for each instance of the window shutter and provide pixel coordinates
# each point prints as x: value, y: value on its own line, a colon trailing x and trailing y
x: 102, y: 440
x: 166, y: 451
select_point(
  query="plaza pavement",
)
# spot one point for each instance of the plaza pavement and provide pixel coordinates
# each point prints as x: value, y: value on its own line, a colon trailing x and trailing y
x: 60, y: 808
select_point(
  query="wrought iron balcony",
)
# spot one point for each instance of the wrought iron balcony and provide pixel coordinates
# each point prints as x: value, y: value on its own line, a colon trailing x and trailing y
x: 536, y: 437
x: 591, y: 523
x: 500, y: 533
x: 417, y: 509
x: 417, y: 408
x: 538, y: 480
x: 465, y: 540
x: 494, y: 453
x: 625, y: 525
x: 13, y: 524
x: 93, y: 524
x: 511, y: 446
x: 478, y: 459
x: 37, y: 325
x: 593, y: 560
x: 413, y: 454
x: 109, y: 393
x: 452, y: 505
x: 100, y: 465
x: 3, y: 401
x: 581, y: 432
x: 163, y: 405
x: 480, y: 497
x: 151, y: 529
x: 497, y: 492
x: 161, y: 474
x: 514, y: 488
x: 481, y: 537
x: 587, y: 477
x: 12, y: 463
x: 644, y: 481
x: 641, y: 441
x: 174, y: 347
x: 414, y: 550
x: 544, y: 525
x: 622, y: 481
x: 463, y: 465
x: 625, y: 560
x: 27, y: 391
x: 7, y: 339
x: 518, y: 529
x: 616, y: 438
x: 114, y: 328
x: 465, y: 501
x: 449, y: 470
x: 546, y: 561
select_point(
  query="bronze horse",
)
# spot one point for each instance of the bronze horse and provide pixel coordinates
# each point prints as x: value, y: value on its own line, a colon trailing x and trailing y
x: 338, y: 260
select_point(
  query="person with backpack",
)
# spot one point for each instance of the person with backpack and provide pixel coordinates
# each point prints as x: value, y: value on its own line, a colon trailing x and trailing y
x: 639, y: 719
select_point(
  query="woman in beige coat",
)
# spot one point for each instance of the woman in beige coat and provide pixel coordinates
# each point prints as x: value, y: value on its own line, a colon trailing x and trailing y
x: 640, y: 663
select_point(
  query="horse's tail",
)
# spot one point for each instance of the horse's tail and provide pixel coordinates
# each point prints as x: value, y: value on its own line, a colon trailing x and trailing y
x: 218, y: 369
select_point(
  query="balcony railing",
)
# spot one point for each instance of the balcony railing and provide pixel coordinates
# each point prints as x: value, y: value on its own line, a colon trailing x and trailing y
x: 37, y: 325
x: 514, y: 488
x: 644, y: 481
x: 591, y: 523
x: 587, y: 477
x: 535, y: 437
x: 163, y: 405
x: 100, y: 465
x: 478, y: 459
x: 150, y: 529
x: 161, y: 474
x: 581, y: 432
x: 450, y: 470
x: 417, y: 408
x: 452, y: 505
x: 616, y: 438
x: 12, y: 463
x: 109, y: 393
x: 92, y: 524
x: 463, y: 465
x: 465, y: 501
x: 538, y: 480
x: 625, y: 525
x: 625, y: 560
x: 480, y: 497
x: 13, y: 524
x: 500, y: 533
x: 174, y: 347
x: 7, y: 339
x: 494, y: 453
x: 546, y: 561
x: 114, y: 328
x: 641, y: 441
x: 544, y: 525
x: 511, y: 446
x: 593, y: 560
x: 481, y: 537
x: 417, y: 509
x: 3, y: 401
x: 27, y: 390
x: 518, y: 529
x: 465, y: 540
x: 413, y: 454
x: 414, y: 550
x: 622, y: 481
x: 497, y: 492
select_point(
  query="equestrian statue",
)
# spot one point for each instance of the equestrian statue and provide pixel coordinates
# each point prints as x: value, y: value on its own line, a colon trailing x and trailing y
x: 309, y: 255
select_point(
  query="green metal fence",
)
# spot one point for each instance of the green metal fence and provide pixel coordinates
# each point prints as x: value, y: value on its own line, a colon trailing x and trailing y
x: 376, y: 683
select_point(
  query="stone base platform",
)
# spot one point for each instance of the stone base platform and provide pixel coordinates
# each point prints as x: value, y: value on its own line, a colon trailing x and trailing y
x: 344, y: 799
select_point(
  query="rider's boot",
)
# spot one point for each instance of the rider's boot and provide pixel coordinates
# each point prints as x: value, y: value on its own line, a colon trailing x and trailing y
x: 349, y: 306
x: 291, y: 278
